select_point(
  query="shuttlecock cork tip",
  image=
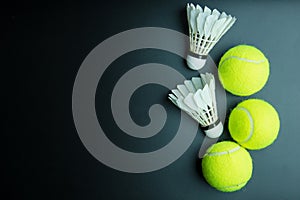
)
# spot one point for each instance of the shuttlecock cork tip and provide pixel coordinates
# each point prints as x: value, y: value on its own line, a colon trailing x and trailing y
x: 195, y: 63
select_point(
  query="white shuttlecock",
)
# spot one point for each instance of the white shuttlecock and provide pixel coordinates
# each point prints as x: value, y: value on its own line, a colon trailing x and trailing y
x: 206, y: 27
x: 198, y: 99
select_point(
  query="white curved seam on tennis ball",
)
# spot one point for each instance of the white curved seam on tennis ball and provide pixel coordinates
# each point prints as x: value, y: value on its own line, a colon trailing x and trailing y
x: 251, y: 124
x: 223, y: 152
x: 243, y: 59
x: 232, y: 186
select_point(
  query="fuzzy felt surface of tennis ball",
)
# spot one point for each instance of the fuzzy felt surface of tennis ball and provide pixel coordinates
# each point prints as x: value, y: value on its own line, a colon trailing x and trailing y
x: 227, y: 166
x: 243, y: 70
x: 254, y: 124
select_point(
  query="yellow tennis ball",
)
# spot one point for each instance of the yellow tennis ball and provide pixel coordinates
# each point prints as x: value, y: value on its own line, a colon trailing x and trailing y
x: 254, y: 124
x: 227, y: 166
x: 243, y: 70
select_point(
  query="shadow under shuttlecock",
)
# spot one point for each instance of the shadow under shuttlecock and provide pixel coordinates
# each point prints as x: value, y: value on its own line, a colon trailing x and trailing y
x: 207, y: 142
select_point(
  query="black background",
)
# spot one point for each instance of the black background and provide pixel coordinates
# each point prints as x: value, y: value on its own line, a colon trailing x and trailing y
x: 43, y: 45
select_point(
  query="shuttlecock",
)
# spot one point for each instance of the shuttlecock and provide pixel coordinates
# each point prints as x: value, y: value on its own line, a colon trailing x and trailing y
x: 198, y: 99
x: 206, y: 27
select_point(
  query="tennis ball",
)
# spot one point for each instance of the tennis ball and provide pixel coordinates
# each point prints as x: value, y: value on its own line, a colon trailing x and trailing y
x: 254, y: 124
x: 227, y: 166
x: 243, y: 70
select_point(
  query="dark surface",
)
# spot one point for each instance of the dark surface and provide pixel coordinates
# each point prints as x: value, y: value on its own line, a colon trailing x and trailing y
x: 43, y: 46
